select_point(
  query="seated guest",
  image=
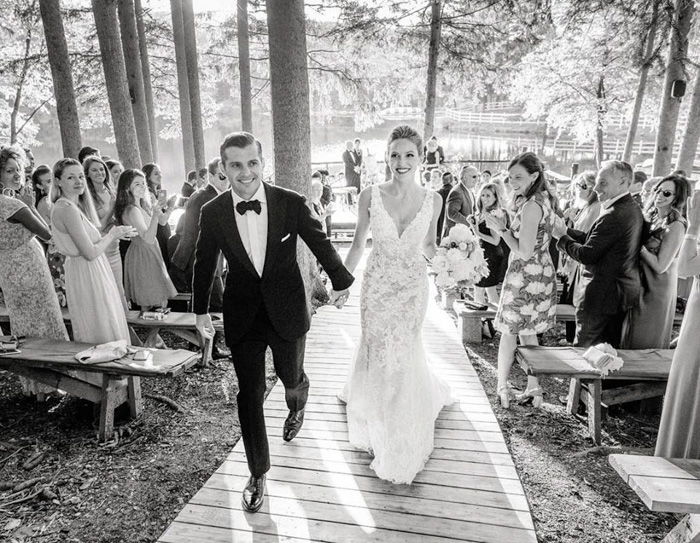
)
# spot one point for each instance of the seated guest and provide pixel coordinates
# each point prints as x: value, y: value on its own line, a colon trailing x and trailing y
x: 636, y: 187
x: 146, y: 280
x: 679, y: 431
x: 86, y: 152
x: 649, y: 325
x: 24, y: 276
x: 609, y: 285
x: 154, y: 179
x: 460, y: 201
x: 444, y: 192
x: 485, y: 177
x: 190, y: 184
x: 94, y: 299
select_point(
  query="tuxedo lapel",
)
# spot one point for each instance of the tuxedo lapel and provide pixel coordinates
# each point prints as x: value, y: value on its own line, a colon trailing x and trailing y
x: 276, y: 215
x: 227, y: 221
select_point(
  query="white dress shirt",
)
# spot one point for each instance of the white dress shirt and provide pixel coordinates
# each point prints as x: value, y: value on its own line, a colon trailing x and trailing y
x: 253, y: 229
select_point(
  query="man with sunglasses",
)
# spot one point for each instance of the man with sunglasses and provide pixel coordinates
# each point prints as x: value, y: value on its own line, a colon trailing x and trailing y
x: 182, y: 260
x: 460, y: 201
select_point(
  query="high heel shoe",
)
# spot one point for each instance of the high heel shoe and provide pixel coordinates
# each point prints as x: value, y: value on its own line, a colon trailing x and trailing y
x: 504, y: 395
x: 533, y: 395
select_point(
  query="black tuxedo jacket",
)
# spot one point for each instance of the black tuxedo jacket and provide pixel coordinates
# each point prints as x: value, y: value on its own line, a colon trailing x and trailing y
x: 460, y: 205
x: 187, y: 190
x: 609, y: 282
x: 183, y: 257
x: 281, y: 288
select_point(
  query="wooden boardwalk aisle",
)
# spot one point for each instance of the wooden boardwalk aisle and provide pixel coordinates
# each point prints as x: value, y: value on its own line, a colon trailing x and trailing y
x: 321, y: 489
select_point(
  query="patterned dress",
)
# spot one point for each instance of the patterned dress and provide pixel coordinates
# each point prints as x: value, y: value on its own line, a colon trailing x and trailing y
x: 528, y: 301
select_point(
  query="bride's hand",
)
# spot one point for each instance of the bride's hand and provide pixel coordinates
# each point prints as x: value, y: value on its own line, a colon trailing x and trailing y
x: 338, y: 298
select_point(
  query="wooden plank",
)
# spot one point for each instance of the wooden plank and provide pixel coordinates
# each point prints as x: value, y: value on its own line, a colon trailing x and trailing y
x: 667, y: 495
x: 631, y: 393
x: 181, y: 532
x: 627, y: 465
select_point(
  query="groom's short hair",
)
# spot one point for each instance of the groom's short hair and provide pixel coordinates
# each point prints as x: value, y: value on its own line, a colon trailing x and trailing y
x: 240, y: 140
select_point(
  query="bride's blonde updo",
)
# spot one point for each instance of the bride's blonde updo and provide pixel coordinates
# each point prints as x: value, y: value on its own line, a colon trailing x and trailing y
x: 405, y: 132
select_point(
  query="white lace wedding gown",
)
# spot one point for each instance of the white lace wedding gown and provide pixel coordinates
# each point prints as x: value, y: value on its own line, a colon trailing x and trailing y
x: 393, y: 397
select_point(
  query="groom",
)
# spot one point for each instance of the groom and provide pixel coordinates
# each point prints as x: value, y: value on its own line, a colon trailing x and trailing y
x: 256, y: 226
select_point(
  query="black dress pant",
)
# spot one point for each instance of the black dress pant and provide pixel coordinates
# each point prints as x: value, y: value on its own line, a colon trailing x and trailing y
x: 248, y: 355
x: 592, y: 328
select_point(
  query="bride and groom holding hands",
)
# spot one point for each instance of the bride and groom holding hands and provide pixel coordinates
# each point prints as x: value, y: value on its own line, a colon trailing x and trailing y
x: 392, y: 396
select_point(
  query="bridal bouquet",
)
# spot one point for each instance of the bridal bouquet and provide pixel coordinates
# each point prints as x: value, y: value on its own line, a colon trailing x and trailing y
x: 459, y: 261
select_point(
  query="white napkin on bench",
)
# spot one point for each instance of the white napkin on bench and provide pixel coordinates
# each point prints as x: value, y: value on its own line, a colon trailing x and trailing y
x: 603, y: 357
x: 106, y: 352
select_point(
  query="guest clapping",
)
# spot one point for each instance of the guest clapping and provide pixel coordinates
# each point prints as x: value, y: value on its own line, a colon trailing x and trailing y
x: 146, y: 280
x: 154, y: 180
x: 649, y: 325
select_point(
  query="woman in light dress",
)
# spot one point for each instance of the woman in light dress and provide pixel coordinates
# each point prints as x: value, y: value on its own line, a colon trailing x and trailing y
x: 679, y: 432
x: 94, y: 301
x: 393, y: 397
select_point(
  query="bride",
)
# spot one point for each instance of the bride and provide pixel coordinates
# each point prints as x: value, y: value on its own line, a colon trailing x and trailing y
x: 392, y: 396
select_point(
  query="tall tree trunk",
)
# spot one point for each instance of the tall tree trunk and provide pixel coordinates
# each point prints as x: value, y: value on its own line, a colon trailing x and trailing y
x: 17, y: 102
x: 193, y: 78
x: 107, y: 24
x: 134, y: 75
x: 433, y: 51
x: 146, y: 73
x: 641, y: 86
x: 598, y: 147
x: 63, y: 90
x: 668, y: 113
x: 244, y: 66
x: 182, y: 84
x: 289, y: 89
x: 689, y: 145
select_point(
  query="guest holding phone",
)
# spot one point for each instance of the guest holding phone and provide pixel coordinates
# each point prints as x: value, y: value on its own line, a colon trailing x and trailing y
x: 159, y: 197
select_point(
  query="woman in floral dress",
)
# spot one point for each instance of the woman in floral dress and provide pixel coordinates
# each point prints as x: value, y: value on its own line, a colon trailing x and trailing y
x: 528, y: 297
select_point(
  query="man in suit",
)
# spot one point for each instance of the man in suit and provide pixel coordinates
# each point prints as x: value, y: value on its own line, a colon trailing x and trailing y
x: 357, y: 149
x: 444, y: 192
x: 190, y: 184
x: 352, y: 166
x: 609, y: 284
x: 256, y: 226
x: 460, y: 201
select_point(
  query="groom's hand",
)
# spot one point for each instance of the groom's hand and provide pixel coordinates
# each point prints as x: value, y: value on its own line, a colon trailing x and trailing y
x: 204, y: 326
x: 339, y: 297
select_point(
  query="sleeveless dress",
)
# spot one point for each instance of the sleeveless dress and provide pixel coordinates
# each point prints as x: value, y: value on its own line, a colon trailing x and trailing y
x: 495, y: 256
x: 94, y: 301
x: 528, y: 301
x: 393, y: 397
x: 146, y: 279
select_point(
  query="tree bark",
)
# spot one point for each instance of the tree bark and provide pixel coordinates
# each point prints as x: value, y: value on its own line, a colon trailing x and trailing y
x: 200, y: 159
x: 182, y: 84
x: 134, y: 75
x: 63, y: 90
x: 600, y: 122
x: 146, y: 73
x: 433, y: 52
x: 641, y: 86
x: 689, y: 145
x: 675, y: 70
x: 17, y: 102
x: 289, y: 89
x: 107, y: 24
x: 244, y: 66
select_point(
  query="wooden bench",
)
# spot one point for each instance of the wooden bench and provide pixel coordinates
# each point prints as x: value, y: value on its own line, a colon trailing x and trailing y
x: 651, y: 366
x: 668, y: 485
x: 53, y: 362
x: 180, y: 324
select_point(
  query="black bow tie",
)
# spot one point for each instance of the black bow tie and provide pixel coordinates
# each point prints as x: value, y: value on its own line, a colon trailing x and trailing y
x: 252, y: 205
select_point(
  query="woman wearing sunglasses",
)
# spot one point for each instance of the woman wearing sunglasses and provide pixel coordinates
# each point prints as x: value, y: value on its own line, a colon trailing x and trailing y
x: 649, y: 325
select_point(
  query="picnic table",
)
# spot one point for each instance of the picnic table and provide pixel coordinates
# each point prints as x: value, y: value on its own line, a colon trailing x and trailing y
x: 53, y: 362
x: 670, y: 485
x: 650, y: 366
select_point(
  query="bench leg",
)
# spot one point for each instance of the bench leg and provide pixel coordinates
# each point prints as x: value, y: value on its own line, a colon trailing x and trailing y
x: 686, y: 531
x: 135, y: 402
x: 574, y: 396
x: 108, y: 404
x: 471, y: 328
x: 447, y: 298
x: 152, y: 338
x: 593, y: 409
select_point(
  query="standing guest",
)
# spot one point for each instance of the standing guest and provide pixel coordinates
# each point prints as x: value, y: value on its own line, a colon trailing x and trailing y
x: 636, y: 187
x: 202, y: 175
x: 146, y: 280
x: 326, y: 198
x: 434, y: 155
x: 460, y: 202
x: 583, y: 212
x: 103, y: 194
x: 495, y: 249
x: 435, y: 182
x: 357, y: 149
x: 24, y: 276
x: 41, y: 182
x: 115, y: 169
x: 485, y: 177
x: 649, y: 324
x: 528, y: 298
x: 154, y: 180
x: 443, y: 191
x: 86, y: 152
x: 94, y: 300
x: 318, y: 210
x: 679, y: 432
x: 609, y: 285
x: 190, y: 184
x: 647, y: 193
x: 352, y: 166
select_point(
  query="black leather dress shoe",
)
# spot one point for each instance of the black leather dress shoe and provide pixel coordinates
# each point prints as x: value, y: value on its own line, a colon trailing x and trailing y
x: 293, y: 424
x: 253, y: 494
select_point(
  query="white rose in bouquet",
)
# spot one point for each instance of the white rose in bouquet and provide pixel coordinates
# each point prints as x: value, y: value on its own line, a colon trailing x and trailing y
x: 460, y: 233
x: 439, y: 261
x: 443, y: 280
x: 463, y: 271
x: 455, y: 256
